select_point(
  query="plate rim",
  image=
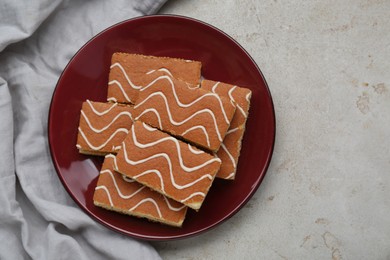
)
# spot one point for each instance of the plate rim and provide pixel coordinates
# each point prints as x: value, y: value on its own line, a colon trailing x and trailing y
x: 198, y: 231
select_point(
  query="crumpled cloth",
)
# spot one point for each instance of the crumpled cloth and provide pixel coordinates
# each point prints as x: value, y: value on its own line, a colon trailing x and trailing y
x: 38, y: 219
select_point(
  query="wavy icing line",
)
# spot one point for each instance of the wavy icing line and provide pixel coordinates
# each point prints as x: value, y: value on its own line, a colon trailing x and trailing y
x: 117, y: 188
x: 213, y: 89
x: 172, y: 121
x: 116, y: 148
x: 162, y: 69
x: 178, y: 149
x: 248, y: 97
x: 193, y: 195
x: 194, y: 151
x: 102, y: 187
x: 230, y: 176
x: 162, y: 185
x: 107, y: 171
x: 238, y: 106
x: 147, y: 200
x: 100, y: 113
x: 149, y: 128
x: 155, y: 112
x: 108, y: 125
x: 127, y: 179
x: 229, y: 154
x: 164, y: 155
x: 171, y: 207
x: 121, y: 88
x: 124, y: 177
x: 232, y: 131
x: 157, y: 172
x: 106, y: 142
x: 123, y: 113
x: 201, y: 128
x: 113, y: 157
x: 117, y: 64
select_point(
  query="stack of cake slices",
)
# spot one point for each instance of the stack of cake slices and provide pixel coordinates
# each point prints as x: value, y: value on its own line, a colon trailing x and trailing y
x: 165, y: 135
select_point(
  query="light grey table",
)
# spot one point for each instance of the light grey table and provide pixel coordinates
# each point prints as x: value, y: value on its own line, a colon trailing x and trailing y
x: 327, y: 192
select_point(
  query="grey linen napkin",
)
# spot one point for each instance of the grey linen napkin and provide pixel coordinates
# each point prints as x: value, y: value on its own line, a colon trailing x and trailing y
x: 38, y: 219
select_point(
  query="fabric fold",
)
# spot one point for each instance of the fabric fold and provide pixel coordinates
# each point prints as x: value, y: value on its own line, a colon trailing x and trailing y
x: 38, y: 219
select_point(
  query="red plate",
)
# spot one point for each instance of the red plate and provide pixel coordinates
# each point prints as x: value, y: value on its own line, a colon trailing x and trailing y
x: 86, y: 77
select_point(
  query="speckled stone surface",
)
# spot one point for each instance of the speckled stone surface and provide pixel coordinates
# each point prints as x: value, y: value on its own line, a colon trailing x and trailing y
x: 327, y: 192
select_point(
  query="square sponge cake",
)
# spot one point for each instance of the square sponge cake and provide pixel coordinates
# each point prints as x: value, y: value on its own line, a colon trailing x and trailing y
x: 167, y: 165
x: 117, y: 193
x: 131, y: 72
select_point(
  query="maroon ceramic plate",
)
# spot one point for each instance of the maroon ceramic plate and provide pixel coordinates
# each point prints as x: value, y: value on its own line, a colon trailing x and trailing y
x: 86, y: 77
